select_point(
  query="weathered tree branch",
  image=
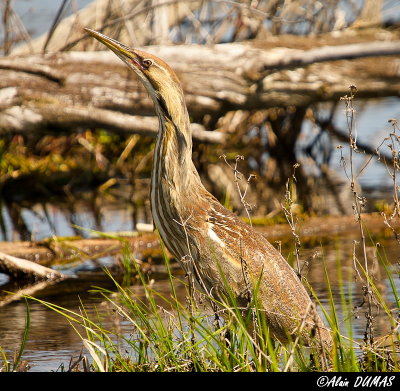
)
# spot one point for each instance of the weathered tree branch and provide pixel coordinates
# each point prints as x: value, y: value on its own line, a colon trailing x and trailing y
x: 22, y: 268
x: 23, y: 119
x: 94, y: 89
x: 328, y: 53
x: 34, y: 69
x: 47, y: 251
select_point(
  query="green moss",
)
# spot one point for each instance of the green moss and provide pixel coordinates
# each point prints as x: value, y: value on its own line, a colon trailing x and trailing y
x: 266, y: 221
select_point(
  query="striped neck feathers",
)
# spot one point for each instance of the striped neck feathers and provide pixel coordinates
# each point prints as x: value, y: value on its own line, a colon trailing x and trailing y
x: 173, y: 152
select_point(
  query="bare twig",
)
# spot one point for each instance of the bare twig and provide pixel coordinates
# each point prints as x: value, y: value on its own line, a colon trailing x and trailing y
x: 238, y: 178
x: 358, y: 208
x: 55, y: 24
x: 6, y: 23
x: 288, y: 211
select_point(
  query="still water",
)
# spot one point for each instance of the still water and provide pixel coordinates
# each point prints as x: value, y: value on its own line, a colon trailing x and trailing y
x: 52, y: 342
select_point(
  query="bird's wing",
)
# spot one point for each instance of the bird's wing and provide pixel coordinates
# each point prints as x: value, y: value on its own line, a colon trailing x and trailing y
x: 251, y: 258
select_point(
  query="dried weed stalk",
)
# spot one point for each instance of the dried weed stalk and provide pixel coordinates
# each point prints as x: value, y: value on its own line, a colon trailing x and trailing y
x: 359, y: 203
x: 291, y: 219
x: 392, y: 142
x: 239, y: 178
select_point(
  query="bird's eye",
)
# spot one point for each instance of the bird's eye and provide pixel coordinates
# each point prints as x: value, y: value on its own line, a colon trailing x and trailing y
x: 147, y: 62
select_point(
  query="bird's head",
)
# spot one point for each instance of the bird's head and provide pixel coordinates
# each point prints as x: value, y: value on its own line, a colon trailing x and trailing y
x: 158, y: 78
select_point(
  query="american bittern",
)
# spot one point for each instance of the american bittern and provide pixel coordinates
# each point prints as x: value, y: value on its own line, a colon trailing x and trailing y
x: 211, y: 242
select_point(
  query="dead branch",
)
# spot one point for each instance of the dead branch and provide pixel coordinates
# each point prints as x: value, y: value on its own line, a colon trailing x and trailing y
x: 19, y: 268
x: 22, y: 119
x: 328, y: 53
x: 148, y: 245
x: 95, y: 89
x: 34, y: 69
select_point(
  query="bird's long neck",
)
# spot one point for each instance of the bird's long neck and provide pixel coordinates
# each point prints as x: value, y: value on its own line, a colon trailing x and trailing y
x: 172, y: 164
x: 175, y: 183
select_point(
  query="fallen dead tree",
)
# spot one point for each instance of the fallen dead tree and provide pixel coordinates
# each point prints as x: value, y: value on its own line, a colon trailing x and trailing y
x: 94, y: 89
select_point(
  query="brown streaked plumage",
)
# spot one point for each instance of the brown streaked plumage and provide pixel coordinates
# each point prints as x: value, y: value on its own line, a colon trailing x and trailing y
x: 209, y: 240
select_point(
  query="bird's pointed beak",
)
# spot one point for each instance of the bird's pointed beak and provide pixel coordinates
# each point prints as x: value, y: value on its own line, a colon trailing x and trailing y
x: 121, y: 50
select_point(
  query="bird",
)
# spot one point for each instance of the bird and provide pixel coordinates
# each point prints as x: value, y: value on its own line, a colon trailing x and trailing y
x: 224, y: 255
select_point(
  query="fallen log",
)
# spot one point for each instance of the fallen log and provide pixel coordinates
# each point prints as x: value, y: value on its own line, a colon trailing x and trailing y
x: 21, y: 119
x: 298, y: 58
x: 94, y: 89
x: 19, y: 268
x: 67, y: 250
x: 144, y: 246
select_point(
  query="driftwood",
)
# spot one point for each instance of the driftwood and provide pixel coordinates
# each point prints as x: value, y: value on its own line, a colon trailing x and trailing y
x: 29, y: 290
x: 95, y: 89
x: 147, y: 245
x: 47, y: 252
x: 50, y: 252
x: 21, y: 268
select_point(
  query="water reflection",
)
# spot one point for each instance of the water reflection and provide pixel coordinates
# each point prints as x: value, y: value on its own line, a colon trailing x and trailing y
x: 52, y: 341
x: 341, y: 260
x: 77, y: 217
